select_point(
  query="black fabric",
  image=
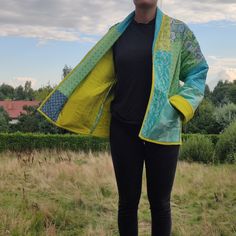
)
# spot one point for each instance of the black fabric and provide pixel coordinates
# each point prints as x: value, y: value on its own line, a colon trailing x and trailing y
x: 129, y: 153
x: 132, y: 54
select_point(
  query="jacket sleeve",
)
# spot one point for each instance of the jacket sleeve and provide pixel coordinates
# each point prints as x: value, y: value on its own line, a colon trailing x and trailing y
x: 193, y: 72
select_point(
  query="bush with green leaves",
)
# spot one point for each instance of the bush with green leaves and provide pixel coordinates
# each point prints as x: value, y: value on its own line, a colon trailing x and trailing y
x: 226, y: 145
x: 224, y: 115
x: 197, y: 148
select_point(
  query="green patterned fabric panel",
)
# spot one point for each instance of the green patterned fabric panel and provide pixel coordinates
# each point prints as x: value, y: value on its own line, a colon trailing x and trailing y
x: 191, y: 52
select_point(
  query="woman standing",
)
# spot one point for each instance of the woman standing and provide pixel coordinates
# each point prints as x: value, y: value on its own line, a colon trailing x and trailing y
x: 133, y: 64
x: 145, y: 56
x: 132, y: 54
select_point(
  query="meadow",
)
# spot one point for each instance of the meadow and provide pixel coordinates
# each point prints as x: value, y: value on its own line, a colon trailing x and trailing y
x: 74, y: 193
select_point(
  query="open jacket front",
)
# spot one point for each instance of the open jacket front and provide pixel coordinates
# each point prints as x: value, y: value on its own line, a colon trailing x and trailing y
x: 81, y: 101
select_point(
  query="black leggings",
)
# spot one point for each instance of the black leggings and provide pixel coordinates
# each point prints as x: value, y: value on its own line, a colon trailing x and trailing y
x: 128, y: 153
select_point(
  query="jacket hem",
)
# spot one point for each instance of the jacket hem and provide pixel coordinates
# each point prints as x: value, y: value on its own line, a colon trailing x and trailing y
x: 160, y: 142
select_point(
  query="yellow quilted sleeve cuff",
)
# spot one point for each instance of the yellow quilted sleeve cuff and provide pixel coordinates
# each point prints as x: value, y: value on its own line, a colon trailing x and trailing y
x: 183, y: 106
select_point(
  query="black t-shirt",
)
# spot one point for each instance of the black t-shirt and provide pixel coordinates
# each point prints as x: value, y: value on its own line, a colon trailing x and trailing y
x: 132, y: 54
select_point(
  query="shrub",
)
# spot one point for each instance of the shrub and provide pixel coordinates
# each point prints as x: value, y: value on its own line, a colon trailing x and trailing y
x: 224, y: 116
x: 197, y: 148
x: 226, y: 145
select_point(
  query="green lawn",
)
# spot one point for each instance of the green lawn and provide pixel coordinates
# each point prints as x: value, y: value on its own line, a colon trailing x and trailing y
x: 69, y: 193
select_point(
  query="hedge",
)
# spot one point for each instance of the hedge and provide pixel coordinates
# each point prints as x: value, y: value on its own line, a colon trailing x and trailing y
x: 19, y: 141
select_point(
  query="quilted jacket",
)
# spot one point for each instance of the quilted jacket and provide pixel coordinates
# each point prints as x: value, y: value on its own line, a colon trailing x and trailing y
x: 81, y: 101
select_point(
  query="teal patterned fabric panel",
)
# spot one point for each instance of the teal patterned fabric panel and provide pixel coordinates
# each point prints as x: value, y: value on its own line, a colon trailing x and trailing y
x: 168, y: 126
x: 162, y: 122
x: 194, y: 86
x: 161, y: 77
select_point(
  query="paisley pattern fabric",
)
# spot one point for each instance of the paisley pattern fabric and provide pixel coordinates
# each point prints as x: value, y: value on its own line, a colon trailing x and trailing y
x: 162, y: 65
x: 177, y: 56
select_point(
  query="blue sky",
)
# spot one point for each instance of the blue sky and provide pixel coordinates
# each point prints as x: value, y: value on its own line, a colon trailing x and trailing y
x: 38, y: 38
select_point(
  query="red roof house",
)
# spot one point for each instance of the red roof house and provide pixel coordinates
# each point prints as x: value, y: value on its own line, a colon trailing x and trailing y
x: 15, y: 108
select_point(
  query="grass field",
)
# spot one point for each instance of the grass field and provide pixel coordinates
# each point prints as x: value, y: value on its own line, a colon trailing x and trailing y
x: 68, y: 193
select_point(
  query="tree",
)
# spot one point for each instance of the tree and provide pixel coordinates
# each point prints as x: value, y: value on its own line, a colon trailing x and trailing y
x: 66, y: 70
x: 19, y: 93
x: 203, y: 121
x: 4, y: 120
x: 29, y: 92
x: 223, y: 93
x: 6, y: 91
x: 42, y: 92
x: 224, y: 115
x: 232, y: 92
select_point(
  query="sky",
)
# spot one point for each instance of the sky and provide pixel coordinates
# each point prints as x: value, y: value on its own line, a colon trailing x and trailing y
x: 39, y: 37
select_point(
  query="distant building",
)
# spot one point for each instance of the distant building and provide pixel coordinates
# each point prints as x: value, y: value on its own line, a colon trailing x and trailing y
x: 15, y: 108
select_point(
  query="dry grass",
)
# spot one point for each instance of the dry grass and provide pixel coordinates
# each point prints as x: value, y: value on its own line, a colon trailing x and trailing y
x: 74, y: 193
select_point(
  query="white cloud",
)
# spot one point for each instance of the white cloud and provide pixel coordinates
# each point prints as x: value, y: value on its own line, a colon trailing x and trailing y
x: 220, y: 68
x: 17, y: 81
x: 70, y: 19
x: 201, y: 11
x: 43, y: 33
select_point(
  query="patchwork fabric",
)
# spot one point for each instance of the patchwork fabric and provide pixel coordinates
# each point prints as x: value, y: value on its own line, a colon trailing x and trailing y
x: 54, y: 104
x: 177, y: 57
x: 177, y: 29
